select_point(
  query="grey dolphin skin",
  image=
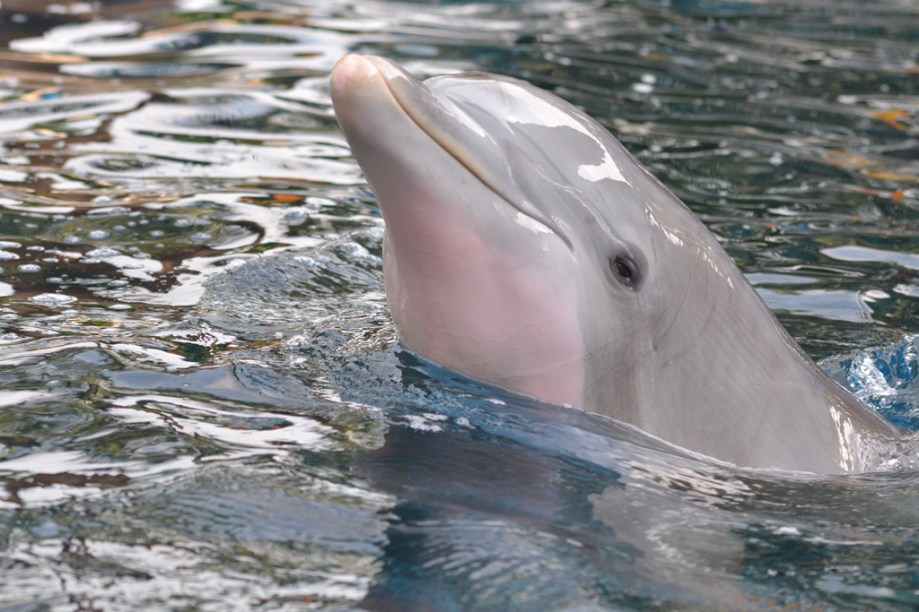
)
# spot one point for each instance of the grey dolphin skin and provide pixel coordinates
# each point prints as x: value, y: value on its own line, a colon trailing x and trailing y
x: 525, y: 247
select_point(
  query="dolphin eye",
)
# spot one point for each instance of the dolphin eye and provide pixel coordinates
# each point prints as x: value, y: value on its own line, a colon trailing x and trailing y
x: 625, y: 270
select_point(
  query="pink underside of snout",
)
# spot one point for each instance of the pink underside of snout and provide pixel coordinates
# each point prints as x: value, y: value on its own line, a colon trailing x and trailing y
x: 470, y: 305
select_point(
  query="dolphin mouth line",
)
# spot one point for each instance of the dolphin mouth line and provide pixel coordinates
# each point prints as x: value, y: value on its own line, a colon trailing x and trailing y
x: 462, y: 159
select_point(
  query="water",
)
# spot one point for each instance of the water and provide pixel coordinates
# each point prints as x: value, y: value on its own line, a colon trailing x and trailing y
x: 202, y: 401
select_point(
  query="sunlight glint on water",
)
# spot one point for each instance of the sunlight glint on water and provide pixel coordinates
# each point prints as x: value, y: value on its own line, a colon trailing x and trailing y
x: 203, y: 403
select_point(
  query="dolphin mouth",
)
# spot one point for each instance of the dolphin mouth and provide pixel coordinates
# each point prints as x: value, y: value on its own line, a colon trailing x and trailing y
x: 437, y: 118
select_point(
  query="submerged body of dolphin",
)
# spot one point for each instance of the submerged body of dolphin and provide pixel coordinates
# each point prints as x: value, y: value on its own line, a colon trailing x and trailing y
x: 525, y: 247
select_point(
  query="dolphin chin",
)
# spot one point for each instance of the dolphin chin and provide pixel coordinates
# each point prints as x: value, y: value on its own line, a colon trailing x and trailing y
x: 525, y: 247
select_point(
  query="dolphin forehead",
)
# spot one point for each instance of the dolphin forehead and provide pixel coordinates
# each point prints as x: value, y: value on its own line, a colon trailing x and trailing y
x: 553, y: 158
x: 507, y: 108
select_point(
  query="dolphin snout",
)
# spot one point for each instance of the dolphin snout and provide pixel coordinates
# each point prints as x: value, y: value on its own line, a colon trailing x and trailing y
x: 348, y: 72
x: 354, y: 70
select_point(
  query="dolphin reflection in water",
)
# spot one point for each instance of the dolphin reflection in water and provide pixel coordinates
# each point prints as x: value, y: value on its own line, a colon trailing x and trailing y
x: 525, y: 247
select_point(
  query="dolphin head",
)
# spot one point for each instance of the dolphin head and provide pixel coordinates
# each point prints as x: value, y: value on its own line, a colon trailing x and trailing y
x: 524, y: 246
x: 522, y: 242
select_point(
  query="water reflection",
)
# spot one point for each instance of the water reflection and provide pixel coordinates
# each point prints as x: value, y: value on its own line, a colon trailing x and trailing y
x: 200, y: 402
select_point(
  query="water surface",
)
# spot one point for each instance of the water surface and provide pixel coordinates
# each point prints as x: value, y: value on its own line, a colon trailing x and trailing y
x: 203, y: 403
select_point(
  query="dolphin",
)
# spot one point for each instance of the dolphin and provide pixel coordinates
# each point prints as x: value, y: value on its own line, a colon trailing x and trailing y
x: 525, y: 247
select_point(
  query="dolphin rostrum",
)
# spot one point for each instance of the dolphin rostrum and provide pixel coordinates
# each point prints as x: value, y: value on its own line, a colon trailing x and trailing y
x: 525, y: 247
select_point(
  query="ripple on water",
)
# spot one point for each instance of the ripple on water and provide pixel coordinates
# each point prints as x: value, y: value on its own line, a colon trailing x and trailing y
x: 198, y: 134
x: 52, y: 300
x: 19, y: 116
x: 219, y: 416
x: 156, y: 555
x: 145, y: 70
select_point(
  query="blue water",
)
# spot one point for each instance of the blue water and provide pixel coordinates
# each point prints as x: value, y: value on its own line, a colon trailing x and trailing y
x: 203, y: 402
